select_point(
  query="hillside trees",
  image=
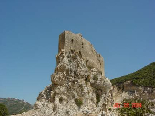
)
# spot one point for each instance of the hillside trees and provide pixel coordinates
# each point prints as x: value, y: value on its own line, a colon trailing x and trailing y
x: 143, y: 77
x: 3, y: 110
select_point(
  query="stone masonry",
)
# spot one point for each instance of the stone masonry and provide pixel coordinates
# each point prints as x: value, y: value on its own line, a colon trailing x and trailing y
x: 70, y: 41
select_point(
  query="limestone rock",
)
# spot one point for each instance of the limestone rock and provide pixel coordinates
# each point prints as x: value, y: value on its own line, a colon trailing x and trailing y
x: 129, y: 90
x: 79, y: 86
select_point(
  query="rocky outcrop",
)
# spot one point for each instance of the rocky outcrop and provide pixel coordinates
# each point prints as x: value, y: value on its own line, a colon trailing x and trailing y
x: 130, y: 90
x: 79, y: 86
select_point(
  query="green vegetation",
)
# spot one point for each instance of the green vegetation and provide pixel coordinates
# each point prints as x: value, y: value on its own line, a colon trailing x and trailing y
x: 95, y: 78
x: 109, y: 109
x: 22, y: 111
x: 98, y: 93
x: 15, y: 106
x: 79, y: 102
x: 130, y: 111
x: 97, y: 98
x: 69, y: 61
x: 3, y: 110
x: 89, y: 67
x: 143, y: 77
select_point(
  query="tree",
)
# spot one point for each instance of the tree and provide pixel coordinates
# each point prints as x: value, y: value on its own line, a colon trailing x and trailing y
x: 3, y: 110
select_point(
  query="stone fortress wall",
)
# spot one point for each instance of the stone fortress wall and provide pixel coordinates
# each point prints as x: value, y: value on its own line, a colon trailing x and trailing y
x: 70, y: 41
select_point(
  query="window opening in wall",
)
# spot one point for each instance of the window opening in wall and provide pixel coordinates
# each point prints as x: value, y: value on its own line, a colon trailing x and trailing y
x: 82, y: 44
x: 72, y: 40
x: 80, y: 54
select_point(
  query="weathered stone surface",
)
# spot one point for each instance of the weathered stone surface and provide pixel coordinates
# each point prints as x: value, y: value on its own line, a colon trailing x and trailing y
x: 79, y: 87
x: 129, y: 90
x: 70, y: 41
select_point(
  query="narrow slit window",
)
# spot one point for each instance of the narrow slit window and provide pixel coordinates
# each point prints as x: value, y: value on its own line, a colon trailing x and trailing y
x: 72, y: 41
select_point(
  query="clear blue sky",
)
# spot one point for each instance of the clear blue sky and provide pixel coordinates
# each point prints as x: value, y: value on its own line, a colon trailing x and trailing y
x: 122, y: 31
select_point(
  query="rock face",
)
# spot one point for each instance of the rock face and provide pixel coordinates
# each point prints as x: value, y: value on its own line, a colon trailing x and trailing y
x: 130, y: 90
x: 79, y: 86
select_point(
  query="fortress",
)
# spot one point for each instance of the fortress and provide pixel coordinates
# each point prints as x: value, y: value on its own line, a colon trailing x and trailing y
x: 79, y: 86
x: 70, y: 41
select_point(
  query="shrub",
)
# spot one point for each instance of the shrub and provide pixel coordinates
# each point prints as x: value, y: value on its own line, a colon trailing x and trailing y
x: 22, y: 111
x: 95, y: 77
x: 78, y: 102
x: 3, y: 110
x: 89, y: 67
x: 87, y: 79
x: 98, y: 95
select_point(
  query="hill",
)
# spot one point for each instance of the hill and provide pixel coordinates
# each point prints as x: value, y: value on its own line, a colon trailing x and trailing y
x: 15, y: 106
x: 143, y: 77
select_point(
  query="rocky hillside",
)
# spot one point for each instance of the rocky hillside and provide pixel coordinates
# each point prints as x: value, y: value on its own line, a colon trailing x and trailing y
x: 79, y: 86
x: 138, y: 85
x: 15, y: 106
